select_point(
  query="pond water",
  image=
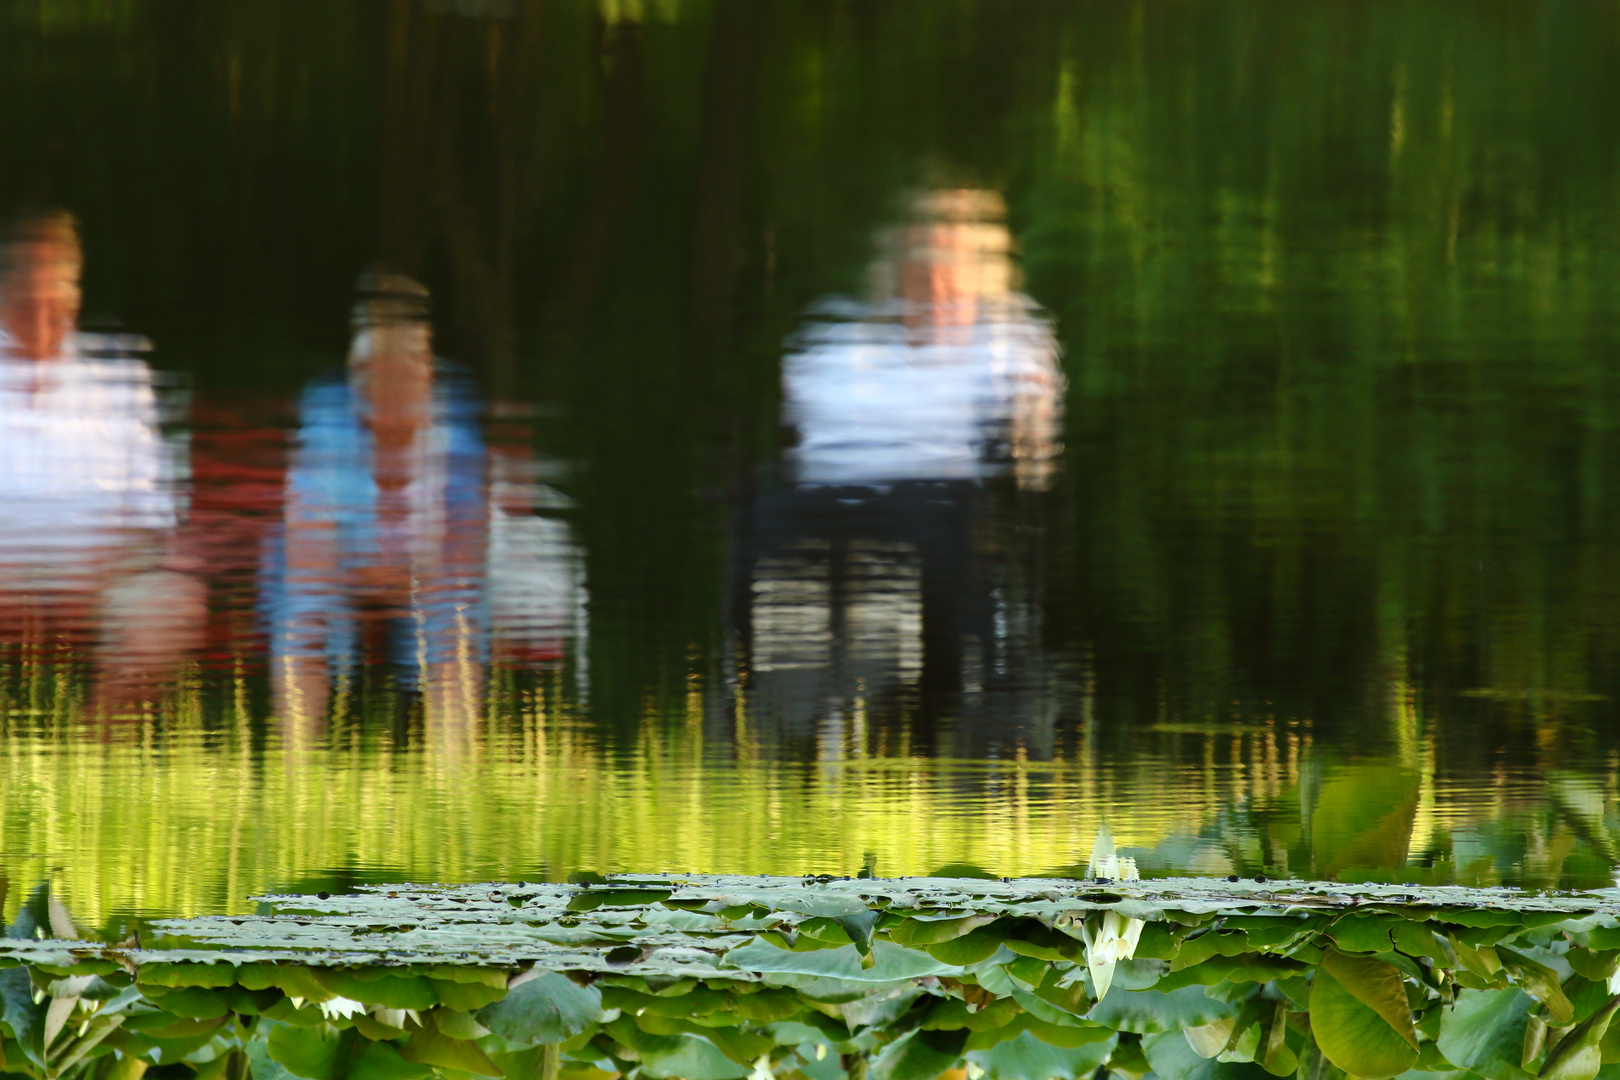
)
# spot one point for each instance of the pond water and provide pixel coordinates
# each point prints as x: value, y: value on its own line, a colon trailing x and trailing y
x: 493, y: 440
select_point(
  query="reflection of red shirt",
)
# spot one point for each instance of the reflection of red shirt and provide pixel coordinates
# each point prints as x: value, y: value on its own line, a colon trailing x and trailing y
x: 238, y: 467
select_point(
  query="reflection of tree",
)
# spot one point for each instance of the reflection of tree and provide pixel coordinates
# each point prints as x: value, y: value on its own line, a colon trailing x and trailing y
x: 460, y: 164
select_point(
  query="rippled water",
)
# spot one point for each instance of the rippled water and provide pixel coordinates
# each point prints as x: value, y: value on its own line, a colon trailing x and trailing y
x: 459, y: 442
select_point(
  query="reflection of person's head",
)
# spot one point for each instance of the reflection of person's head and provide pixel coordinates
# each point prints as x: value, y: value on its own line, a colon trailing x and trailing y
x: 391, y: 359
x: 39, y: 283
x: 953, y: 254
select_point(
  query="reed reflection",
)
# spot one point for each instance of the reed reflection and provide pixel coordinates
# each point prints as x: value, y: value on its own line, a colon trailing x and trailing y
x: 897, y: 576
x: 89, y: 515
x: 407, y: 538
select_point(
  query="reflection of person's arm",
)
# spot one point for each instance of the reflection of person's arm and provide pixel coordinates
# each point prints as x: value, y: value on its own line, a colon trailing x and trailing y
x: 1036, y: 408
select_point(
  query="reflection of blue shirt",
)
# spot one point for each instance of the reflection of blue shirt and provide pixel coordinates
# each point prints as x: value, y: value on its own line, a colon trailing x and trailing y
x: 430, y: 534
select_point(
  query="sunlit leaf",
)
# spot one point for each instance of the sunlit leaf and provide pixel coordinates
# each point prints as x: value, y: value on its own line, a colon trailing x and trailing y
x: 1579, y: 1055
x: 1360, y: 1017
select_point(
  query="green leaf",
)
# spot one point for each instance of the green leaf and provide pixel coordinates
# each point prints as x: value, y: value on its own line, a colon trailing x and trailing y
x: 918, y: 932
x: 468, y: 996
x: 1362, y: 933
x: 689, y: 1057
x: 1146, y: 1011
x: 550, y: 1008
x: 919, y: 1055
x: 1173, y: 1058
x: 1025, y: 1057
x: 1484, y: 1032
x: 970, y: 948
x: 892, y: 963
x: 1360, y: 1017
x: 312, y: 1052
x: 196, y: 1002
x: 264, y: 1067
x: 1539, y: 981
x: 428, y: 1046
x: 390, y: 991
x: 1579, y: 1055
x: 383, y: 1061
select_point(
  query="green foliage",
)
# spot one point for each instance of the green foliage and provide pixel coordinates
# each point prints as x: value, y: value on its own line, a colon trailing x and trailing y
x: 1218, y: 1001
x: 1360, y: 1016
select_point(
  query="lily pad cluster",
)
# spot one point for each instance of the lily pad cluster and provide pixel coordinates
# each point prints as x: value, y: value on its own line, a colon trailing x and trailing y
x: 709, y: 978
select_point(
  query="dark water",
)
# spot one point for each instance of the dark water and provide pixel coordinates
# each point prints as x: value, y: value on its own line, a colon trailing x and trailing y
x: 887, y: 434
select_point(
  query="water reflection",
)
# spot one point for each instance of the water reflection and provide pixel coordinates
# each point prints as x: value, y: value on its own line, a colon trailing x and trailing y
x: 892, y: 586
x: 397, y: 529
x: 88, y: 499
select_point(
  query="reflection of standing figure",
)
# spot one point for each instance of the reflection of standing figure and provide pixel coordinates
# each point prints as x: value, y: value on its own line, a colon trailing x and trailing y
x: 400, y: 524
x: 87, y: 481
x: 384, y: 520
x: 890, y: 578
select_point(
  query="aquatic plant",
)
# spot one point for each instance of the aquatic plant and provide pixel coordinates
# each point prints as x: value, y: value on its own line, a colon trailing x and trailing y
x: 709, y: 978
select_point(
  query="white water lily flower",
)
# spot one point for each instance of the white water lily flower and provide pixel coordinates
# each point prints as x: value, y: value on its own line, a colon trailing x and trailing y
x: 341, y: 1006
x: 1614, y: 982
x: 1112, y: 937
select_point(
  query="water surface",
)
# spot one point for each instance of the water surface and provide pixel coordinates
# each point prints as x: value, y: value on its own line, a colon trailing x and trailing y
x: 470, y: 441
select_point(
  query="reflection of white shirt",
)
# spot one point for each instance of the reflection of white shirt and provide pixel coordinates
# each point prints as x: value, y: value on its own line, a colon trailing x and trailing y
x: 874, y: 402
x: 82, y: 459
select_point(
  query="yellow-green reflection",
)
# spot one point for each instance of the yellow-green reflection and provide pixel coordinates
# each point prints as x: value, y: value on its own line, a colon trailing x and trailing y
x: 160, y: 816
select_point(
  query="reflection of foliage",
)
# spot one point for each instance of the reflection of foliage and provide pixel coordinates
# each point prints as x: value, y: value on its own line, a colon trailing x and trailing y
x: 893, y: 980
x: 1363, y: 819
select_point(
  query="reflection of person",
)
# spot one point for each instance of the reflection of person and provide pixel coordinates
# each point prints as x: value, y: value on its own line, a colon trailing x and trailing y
x: 87, y: 501
x: 897, y: 572
x: 397, y: 529
x: 947, y: 374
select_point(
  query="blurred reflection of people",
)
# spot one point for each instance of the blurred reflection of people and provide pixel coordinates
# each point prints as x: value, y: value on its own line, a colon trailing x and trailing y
x: 87, y: 482
x: 399, y: 523
x: 900, y: 569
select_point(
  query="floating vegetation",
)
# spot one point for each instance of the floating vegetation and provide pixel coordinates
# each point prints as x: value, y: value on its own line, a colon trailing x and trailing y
x: 720, y: 978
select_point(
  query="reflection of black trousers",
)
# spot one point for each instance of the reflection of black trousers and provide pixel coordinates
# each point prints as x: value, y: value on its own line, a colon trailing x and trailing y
x: 929, y: 528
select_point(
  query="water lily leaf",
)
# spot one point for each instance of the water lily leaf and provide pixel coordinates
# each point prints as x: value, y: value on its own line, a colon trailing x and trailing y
x: 1362, y: 933
x: 1173, y: 1058
x: 1539, y: 981
x: 263, y: 1066
x: 891, y: 962
x: 1484, y: 1032
x: 917, y: 932
x: 468, y: 996
x: 1597, y: 966
x: 196, y: 1002
x: 383, y: 1061
x: 687, y: 1056
x: 1208, y: 1040
x: 428, y: 1046
x: 1145, y: 1011
x: 919, y: 1055
x: 1579, y: 1055
x: 389, y: 991
x: 1360, y: 1016
x: 1024, y: 1057
x: 295, y: 980
x: 314, y: 1052
x: 548, y: 1008
x: 1274, y: 1054
x: 971, y: 948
